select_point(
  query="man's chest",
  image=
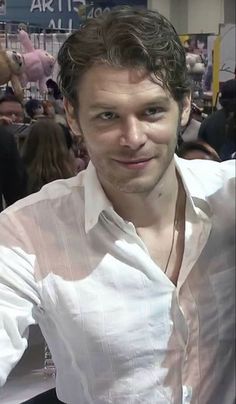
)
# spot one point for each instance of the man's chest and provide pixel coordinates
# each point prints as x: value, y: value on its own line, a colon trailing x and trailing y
x: 166, y: 250
x: 111, y: 275
x: 117, y: 316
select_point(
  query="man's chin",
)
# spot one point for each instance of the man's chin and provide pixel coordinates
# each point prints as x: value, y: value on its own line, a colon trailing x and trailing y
x: 137, y: 185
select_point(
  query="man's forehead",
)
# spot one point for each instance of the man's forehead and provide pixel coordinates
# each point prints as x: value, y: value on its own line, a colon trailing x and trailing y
x: 10, y: 105
x: 102, y: 80
x: 129, y: 75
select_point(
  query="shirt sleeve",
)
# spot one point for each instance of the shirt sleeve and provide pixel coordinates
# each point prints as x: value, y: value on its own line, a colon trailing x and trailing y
x: 18, y: 293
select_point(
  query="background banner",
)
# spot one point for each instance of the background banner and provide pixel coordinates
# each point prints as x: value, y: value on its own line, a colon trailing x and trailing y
x: 59, y: 14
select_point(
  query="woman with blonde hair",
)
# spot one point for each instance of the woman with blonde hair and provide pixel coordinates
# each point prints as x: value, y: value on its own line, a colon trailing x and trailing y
x: 46, y: 155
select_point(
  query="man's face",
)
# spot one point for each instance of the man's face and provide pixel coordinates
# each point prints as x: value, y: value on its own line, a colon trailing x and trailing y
x: 12, y: 110
x: 130, y: 126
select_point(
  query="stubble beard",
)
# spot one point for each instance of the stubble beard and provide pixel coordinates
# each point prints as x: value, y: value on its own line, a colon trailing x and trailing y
x: 110, y: 178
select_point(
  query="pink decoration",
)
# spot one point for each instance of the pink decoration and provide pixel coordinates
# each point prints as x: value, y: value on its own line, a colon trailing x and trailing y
x: 37, y: 63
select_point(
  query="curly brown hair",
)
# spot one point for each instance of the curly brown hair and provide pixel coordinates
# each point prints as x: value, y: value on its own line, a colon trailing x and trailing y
x: 125, y: 37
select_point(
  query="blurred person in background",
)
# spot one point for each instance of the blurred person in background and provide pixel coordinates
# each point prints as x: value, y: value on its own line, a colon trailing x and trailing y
x: 80, y: 152
x: 48, y: 109
x: 219, y: 128
x: 11, y: 110
x: 46, y: 155
x: 13, y: 177
x: 55, y: 96
x: 70, y: 142
x: 34, y: 109
x: 54, y: 92
x: 190, y: 131
x: 53, y: 111
x: 197, y: 150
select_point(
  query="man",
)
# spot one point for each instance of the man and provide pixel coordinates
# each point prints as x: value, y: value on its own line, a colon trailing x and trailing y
x: 11, y: 110
x: 128, y: 267
x: 13, y: 178
x: 34, y: 109
x: 219, y: 128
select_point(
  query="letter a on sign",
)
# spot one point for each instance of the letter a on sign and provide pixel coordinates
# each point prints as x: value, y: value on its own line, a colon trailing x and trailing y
x: 36, y: 5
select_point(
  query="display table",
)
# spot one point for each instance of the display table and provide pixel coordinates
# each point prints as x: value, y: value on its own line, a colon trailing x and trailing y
x: 28, y: 378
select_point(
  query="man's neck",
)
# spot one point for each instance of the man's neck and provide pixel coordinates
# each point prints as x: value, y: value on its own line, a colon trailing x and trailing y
x: 154, y: 209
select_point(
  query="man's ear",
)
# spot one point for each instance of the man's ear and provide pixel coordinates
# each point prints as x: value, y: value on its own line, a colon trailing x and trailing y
x: 186, y: 109
x: 71, y: 117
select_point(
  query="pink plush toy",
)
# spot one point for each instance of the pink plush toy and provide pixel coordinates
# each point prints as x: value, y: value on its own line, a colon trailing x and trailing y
x: 37, y: 63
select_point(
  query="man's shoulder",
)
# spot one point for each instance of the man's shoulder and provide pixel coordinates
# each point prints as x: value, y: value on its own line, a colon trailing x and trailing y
x: 197, y: 166
x: 206, y: 177
x: 34, y: 223
x: 53, y: 194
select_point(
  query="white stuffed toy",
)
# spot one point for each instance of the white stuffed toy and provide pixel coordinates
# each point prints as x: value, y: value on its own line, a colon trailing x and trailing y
x: 194, y: 63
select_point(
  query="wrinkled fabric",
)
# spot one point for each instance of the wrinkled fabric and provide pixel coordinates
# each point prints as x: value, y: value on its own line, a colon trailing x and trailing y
x: 119, y: 330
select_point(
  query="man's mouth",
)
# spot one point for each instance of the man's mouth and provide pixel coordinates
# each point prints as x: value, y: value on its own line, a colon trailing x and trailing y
x: 140, y: 162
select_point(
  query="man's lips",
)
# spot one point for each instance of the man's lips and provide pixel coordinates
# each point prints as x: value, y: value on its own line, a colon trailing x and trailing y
x: 139, y: 163
x: 133, y: 161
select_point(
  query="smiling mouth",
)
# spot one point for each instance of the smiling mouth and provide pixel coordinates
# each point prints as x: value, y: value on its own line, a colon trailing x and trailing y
x: 139, y: 163
x: 134, y: 161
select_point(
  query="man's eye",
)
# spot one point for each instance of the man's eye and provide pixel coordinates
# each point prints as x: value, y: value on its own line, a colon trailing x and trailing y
x: 153, y: 111
x: 106, y: 116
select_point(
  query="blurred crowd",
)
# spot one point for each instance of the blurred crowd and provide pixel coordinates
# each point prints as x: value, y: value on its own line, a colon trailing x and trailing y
x: 37, y: 146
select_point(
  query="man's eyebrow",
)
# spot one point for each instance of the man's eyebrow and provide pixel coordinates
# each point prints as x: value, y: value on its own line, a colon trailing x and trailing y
x: 164, y: 100
x: 99, y: 105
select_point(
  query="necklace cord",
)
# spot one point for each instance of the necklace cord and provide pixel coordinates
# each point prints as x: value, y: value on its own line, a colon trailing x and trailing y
x: 175, y: 224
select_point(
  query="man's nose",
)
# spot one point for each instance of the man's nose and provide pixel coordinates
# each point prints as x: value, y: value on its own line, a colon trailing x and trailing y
x: 133, y: 134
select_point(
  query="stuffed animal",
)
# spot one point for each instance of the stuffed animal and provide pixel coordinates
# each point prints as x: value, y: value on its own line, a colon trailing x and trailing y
x: 194, y: 63
x: 11, y: 66
x: 37, y: 63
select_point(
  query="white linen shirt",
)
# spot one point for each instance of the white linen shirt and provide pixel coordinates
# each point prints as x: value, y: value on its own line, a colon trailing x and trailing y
x: 119, y: 330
